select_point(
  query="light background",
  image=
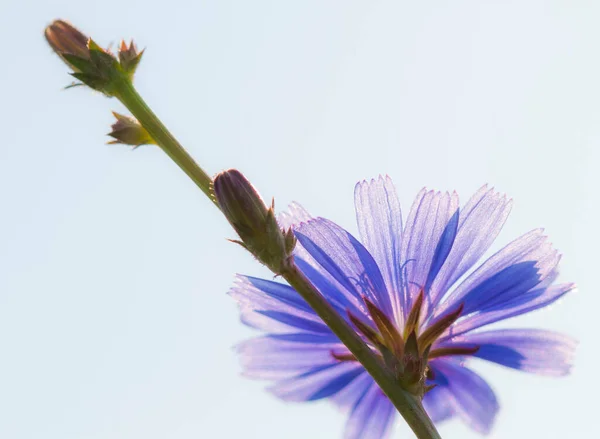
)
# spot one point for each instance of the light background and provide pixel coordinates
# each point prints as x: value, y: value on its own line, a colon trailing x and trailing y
x: 114, y: 322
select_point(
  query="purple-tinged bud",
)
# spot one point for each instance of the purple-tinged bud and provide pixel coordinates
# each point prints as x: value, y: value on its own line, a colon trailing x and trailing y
x: 65, y: 39
x: 129, y: 57
x: 254, y: 222
x: 128, y: 131
x: 91, y: 64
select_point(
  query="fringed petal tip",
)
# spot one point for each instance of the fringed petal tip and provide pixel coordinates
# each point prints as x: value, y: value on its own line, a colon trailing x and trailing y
x: 294, y: 215
x: 239, y: 291
x: 383, y: 179
x: 308, y: 222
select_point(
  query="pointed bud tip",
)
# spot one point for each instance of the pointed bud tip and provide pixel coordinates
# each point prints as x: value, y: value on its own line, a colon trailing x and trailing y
x: 129, y: 57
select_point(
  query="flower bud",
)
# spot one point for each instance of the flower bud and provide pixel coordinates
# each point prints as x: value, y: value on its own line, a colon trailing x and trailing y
x: 92, y: 65
x: 128, y: 131
x: 255, y: 224
x: 67, y: 40
x: 129, y: 57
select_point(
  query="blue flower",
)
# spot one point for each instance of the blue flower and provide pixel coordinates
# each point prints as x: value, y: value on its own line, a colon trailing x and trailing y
x: 416, y: 281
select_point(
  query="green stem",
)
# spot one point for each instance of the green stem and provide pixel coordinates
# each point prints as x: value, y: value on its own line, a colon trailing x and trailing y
x: 409, y: 406
x: 129, y: 96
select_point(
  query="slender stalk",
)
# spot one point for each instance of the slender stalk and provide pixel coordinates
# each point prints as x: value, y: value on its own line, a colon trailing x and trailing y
x: 409, y: 407
x: 129, y: 96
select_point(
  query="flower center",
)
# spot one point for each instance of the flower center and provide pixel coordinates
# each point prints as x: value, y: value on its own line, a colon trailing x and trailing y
x: 406, y: 353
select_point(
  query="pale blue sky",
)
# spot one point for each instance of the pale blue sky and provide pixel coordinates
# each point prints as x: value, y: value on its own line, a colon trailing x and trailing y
x: 114, y: 322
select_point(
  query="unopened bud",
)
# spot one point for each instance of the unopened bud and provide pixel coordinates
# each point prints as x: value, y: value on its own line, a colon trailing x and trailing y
x: 129, y: 57
x: 254, y: 222
x: 128, y: 131
x: 67, y: 40
x: 92, y: 65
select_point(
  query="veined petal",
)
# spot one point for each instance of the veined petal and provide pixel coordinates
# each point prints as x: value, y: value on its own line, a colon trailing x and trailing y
x: 502, y: 287
x: 379, y: 221
x: 529, y: 350
x: 347, y: 398
x: 427, y: 221
x: 274, y: 307
x: 272, y: 358
x: 318, y: 382
x: 345, y: 259
x: 481, y: 219
x: 517, y: 268
x: 530, y: 301
x: 472, y: 398
x: 371, y: 416
x: 337, y: 295
x: 291, y: 319
x: 442, y: 250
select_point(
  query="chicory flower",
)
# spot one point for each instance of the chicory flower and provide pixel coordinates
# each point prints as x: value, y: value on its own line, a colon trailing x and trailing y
x: 411, y: 289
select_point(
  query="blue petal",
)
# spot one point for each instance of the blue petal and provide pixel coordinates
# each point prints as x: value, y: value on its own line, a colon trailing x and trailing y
x: 442, y: 250
x: 329, y: 264
x: 480, y: 221
x: 318, y: 382
x: 530, y: 301
x: 472, y: 398
x: 339, y: 298
x: 278, y: 359
x: 274, y: 307
x: 437, y: 403
x: 336, y: 384
x: 345, y: 259
x: 293, y: 217
x: 529, y: 350
x: 531, y: 258
x: 502, y: 287
x: 296, y: 321
x: 371, y: 416
x: 281, y: 292
x: 500, y: 354
x: 303, y: 337
x: 425, y: 225
x: 379, y: 221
